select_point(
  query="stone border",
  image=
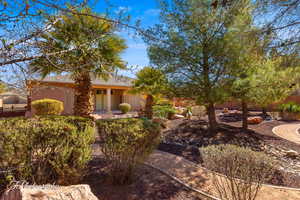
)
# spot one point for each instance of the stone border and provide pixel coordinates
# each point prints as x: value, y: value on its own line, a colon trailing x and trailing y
x: 205, y: 169
x: 267, y: 185
x: 203, y: 194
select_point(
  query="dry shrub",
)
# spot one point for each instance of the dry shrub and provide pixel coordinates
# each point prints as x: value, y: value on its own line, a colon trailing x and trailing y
x: 126, y: 143
x: 244, y: 169
x: 199, y: 111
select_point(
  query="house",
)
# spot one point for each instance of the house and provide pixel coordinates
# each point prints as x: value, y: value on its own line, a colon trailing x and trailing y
x: 12, y: 97
x: 107, y: 94
x: 13, y: 100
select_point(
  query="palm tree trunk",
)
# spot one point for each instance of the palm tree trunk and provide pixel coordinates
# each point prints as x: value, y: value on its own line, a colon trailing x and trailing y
x: 148, y: 106
x: 211, y: 118
x: 245, y: 114
x: 83, y: 105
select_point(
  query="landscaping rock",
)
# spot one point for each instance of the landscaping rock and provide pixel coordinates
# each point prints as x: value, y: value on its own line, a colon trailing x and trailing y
x: 255, y: 120
x: 176, y: 116
x: 49, y: 192
x: 291, y: 154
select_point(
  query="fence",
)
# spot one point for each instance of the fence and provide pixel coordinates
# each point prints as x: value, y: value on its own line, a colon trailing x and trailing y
x: 13, y: 110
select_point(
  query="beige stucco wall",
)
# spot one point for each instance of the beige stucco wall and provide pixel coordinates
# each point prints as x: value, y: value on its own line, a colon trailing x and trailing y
x: 64, y: 94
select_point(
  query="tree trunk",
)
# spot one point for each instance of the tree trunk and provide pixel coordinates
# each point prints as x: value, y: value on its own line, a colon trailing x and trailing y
x: 211, y: 118
x: 245, y: 114
x: 264, y: 111
x: 148, y: 106
x: 83, y: 105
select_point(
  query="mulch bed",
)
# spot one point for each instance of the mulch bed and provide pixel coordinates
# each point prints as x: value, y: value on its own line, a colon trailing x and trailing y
x: 185, y: 137
x: 149, y: 184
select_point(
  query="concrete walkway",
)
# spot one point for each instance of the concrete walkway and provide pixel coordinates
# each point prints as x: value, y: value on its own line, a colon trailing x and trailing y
x: 288, y: 132
x: 200, y: 178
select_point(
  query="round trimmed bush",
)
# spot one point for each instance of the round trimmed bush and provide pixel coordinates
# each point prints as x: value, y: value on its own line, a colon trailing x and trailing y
x: 125, y: 107
x: 47, y: 107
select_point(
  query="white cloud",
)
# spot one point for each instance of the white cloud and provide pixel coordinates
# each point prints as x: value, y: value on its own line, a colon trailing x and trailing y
x: 123, y: 9
x: 152, y: 12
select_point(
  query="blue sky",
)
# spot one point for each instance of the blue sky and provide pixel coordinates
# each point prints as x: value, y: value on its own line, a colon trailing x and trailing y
x: 144, y: 10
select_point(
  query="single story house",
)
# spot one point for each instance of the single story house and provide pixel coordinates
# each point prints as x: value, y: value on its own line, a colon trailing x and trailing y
x: 12, y: 97
x: 107, y: 94
x: 13, y: 100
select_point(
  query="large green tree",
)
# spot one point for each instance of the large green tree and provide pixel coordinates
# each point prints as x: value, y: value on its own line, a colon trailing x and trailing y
x: 150, y: 82
x: 192, y: 47
x: 90, y: 47
x: 273, y: 82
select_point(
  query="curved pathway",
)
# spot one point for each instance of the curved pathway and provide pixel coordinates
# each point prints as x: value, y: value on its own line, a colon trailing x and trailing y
x: 288, y: 132
x: 199, y: 178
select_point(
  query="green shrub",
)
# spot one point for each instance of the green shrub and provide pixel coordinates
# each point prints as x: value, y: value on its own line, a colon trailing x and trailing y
x: 163, y: 111
x: 245, y: 170
x: 47, y: 107
x: 46, y: 149
x: 126, y: 143
x: 125, y: 107
x: 163, y: 101
x: 290, y: 107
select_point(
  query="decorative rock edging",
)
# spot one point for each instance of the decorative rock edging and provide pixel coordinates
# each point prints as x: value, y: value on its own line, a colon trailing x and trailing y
x: 175, y: 167
x: 203, y: 194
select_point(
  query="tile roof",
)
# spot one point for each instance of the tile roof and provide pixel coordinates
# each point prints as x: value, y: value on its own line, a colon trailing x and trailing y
x: 112, y: 81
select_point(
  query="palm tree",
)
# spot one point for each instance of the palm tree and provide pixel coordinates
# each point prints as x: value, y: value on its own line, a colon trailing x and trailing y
x: 82, y: 46
x: 150, y: 82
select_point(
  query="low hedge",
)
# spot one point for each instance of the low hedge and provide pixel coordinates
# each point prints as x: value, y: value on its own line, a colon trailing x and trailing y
x: 45, y: 150
x: 47, y: 107
x: 126, y: 143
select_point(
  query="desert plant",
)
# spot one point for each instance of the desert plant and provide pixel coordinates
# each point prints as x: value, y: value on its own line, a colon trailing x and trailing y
x: 150, y: 82
x: 244, y: 170
x: 126, y: 143
x: 47, y: 107
x: 125, y: 107
x: 46, y: 149
x: 95, y: 41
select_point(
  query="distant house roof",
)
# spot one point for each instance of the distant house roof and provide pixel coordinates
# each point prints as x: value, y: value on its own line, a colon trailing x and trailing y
x: 12, y: 93
x: 112, y: 81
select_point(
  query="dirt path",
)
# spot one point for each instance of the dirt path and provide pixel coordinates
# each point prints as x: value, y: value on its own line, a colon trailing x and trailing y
x: 199, y: 178
x: 288, y: 132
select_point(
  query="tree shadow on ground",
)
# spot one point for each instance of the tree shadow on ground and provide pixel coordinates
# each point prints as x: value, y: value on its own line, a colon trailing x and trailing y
x: 148, y: 183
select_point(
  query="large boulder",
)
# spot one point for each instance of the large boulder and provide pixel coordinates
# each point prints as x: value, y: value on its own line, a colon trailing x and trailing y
x: 49, y: 192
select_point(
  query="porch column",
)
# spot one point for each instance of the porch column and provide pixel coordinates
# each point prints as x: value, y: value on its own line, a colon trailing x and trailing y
x: 94, y: 98
x: 108, y: 94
